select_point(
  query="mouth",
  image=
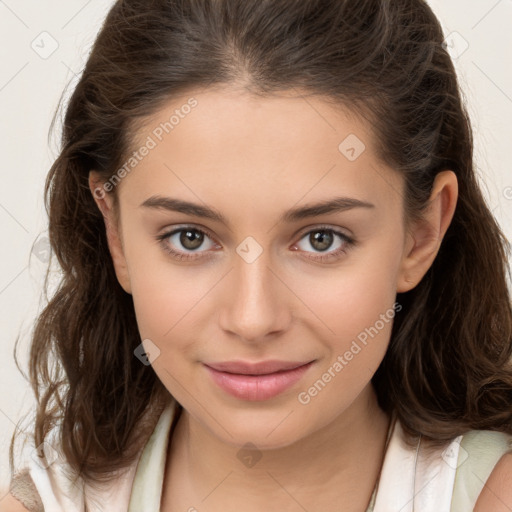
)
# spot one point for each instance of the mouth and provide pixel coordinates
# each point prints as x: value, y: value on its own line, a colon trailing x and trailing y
x: 257, y: 381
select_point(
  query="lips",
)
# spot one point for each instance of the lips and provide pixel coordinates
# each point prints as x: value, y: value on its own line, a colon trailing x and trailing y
x: 257, y: 381
x: 260, y: 368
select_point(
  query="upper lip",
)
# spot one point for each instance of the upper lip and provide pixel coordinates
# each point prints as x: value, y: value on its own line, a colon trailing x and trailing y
x: 259, y: 368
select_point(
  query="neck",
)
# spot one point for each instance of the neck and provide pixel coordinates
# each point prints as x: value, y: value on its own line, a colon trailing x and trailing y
x: 339, y: 462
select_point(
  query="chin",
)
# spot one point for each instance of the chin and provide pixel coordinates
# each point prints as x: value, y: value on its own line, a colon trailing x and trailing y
x: 266, y: 430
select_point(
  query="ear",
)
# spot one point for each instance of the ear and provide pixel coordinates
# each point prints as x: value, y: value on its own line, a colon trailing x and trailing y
x: 104, y: 202
x: 424, y: 238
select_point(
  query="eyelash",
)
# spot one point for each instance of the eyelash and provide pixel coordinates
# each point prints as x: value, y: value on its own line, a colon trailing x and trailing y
x: 347, y: 241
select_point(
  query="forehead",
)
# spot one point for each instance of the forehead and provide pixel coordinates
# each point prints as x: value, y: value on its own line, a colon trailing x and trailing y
x: 226, y: 144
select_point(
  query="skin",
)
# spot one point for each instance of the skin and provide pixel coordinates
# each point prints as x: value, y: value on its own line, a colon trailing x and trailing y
x: 251, y: 159
x: 496, y: 496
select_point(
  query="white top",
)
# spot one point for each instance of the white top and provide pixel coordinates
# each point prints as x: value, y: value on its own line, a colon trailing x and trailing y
x: 447, y: 479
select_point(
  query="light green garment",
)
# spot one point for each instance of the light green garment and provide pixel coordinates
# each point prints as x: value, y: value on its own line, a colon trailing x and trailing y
x: 480, y: 452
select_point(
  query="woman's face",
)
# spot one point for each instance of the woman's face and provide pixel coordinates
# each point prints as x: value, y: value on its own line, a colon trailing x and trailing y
x: 291, y: 251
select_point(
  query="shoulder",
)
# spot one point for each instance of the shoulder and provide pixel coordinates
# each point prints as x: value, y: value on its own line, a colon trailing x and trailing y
x: 10, y: 504
x: 484, y: 472
x: 496, y: 495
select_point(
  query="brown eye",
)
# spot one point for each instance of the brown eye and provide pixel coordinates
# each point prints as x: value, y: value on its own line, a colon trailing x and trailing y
x: 187, y: 243
x: 191, y: 239
x: 321, y: 240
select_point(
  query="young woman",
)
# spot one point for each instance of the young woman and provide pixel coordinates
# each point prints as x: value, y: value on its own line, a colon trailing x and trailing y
x: 281, y: 286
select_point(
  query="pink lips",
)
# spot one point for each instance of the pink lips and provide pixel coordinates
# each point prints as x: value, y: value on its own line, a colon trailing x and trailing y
x: 256, y: 381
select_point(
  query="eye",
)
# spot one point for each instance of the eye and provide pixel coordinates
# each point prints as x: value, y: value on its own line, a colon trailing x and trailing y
x: 323, y: 238
x: 188, y: 240
x: 185, y: 242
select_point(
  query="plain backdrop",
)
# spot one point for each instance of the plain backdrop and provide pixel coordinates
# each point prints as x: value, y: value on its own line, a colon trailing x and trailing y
x: 44, y: 47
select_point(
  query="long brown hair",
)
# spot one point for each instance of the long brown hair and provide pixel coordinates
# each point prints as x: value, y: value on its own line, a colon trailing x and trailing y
x: 448, y: 366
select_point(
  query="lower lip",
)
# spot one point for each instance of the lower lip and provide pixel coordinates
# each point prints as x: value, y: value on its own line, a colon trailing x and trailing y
x: 257, y: 387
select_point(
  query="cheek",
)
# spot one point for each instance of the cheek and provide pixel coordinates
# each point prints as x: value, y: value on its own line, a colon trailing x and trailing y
x: 168, y: 300
x: 352, y: 298
x: 360, y: 315
x: 356, y: 305
x: 162, y: 300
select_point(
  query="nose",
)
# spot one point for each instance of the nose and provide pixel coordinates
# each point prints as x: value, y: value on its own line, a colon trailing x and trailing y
x: 255, y: 304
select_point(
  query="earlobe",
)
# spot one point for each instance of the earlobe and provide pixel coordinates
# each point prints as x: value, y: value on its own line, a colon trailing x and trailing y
x: 105, y: 204
x: 425, y: 237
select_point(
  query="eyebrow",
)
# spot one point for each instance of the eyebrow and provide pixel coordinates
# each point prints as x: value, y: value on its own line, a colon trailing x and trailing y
x: 334, y: 205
